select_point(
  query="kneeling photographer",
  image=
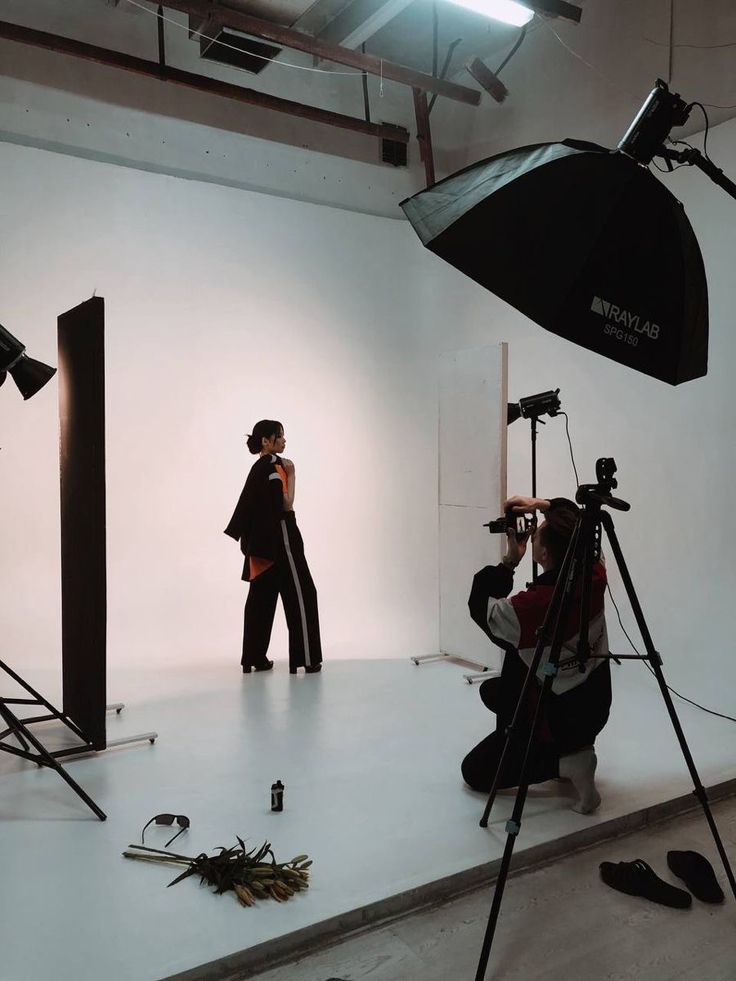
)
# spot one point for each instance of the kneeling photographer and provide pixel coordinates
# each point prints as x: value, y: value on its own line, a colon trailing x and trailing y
x: 578, y: 706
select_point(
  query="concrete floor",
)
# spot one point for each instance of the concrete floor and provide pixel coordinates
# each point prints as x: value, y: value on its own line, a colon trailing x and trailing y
x: 369, y: 752
x: 557, y: 922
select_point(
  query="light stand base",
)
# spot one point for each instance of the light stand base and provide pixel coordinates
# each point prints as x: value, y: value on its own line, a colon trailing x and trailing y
x: 29, y: 746
x: 442, y: 656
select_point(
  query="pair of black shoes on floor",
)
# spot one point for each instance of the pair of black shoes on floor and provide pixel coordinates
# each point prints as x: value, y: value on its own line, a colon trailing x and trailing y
x: 639, y: 879
x: 267, y: 665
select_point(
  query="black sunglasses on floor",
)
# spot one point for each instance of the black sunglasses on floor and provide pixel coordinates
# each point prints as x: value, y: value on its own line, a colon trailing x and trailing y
x: 168, y: 819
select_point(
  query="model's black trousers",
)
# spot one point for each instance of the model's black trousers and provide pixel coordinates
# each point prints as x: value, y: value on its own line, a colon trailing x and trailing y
x: 571, y: 722
x: 290, y: 578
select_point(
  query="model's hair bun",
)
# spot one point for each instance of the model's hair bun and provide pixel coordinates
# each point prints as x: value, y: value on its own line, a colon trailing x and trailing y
x: 266, y: 427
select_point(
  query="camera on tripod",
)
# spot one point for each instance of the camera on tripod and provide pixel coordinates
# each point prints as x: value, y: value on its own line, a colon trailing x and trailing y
x: 521, y: 524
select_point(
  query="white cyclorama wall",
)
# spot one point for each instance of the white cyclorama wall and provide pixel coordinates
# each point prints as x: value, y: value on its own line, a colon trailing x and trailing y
x: 224, y: 306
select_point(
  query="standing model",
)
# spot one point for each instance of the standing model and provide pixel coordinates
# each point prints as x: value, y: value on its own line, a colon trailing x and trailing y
x: 265, y: 525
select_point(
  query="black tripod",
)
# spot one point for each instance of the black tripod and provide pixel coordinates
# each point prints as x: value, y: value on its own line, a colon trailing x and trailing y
x: 584, y: 549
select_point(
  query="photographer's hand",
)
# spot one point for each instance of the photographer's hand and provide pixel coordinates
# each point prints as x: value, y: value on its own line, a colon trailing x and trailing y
x: 515, y: 550
x: 523, y: 505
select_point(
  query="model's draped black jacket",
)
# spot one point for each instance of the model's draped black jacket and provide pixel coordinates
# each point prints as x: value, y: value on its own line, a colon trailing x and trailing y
x: 255, y: 521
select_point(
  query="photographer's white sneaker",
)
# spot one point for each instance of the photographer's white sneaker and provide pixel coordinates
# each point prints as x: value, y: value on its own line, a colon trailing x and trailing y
x: 579, y: 768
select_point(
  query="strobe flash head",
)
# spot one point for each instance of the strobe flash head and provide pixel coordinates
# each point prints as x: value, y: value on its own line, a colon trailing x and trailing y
x: 29, y: 375
x: 534, y: 406
x: 545, y: 403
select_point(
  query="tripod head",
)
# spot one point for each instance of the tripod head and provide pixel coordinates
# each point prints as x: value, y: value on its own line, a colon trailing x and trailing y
x: 599, y: 495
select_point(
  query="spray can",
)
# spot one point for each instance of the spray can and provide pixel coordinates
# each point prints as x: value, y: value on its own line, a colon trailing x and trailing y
x: 277, y: 796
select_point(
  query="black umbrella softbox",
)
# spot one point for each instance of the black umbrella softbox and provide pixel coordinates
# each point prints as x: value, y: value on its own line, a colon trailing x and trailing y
x: 584, y: 241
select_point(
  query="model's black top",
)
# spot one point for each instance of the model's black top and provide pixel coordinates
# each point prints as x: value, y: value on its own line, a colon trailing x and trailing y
x: 255, y: 521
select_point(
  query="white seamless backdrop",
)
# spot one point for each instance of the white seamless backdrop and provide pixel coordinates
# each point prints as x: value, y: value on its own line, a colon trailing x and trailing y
x: 224, y: 306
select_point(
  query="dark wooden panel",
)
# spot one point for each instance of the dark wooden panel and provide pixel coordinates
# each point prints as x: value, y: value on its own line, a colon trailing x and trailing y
x: 83, y: 567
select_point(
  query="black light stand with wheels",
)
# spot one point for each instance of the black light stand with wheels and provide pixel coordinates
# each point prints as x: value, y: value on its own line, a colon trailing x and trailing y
x: 584, y: 549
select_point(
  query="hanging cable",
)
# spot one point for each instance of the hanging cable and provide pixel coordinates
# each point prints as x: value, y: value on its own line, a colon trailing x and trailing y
x: 512, y: 52
x: 720, y: 715
x: 707, y: 128
x: 443, y: 73
x: 366, y: 100
x: 572, y: 457
x: 224, y: 44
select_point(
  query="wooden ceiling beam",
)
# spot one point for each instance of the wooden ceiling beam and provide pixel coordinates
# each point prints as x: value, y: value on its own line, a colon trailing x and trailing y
x: 211, y: 86
x: 287, y: 37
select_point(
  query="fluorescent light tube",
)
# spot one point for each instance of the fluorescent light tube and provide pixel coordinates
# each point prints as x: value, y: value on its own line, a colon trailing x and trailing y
x: 505, y: 10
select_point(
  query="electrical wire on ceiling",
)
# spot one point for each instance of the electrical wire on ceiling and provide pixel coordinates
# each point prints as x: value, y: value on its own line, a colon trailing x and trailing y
x: 709, y: 105
x: 435, y: 53
x: 359, y: 74
x: 519, y: 41
x: 281, y: 64
x: 687, y: 44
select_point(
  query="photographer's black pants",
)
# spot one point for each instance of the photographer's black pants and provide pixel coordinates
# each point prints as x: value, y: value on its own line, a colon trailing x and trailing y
x: 290, y: 578
x: 571, y: 721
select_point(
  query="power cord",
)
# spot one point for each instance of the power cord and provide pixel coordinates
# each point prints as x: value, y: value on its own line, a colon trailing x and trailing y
x: 719, y: 715
x: 572, y: 457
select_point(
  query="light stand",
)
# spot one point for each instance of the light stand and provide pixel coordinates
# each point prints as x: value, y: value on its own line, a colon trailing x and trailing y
x: 532, y: 408
x: 584, y: 549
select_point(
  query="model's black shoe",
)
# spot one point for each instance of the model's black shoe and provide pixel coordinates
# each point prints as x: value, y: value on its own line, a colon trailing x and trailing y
x: 313, y: 668
x: 266, y: 666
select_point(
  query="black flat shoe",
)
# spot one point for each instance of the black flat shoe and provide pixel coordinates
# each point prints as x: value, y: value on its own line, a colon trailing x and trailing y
x: 639, y: 879
x: 697, y: 873
x: 313, y: 668
x: 266, y: 666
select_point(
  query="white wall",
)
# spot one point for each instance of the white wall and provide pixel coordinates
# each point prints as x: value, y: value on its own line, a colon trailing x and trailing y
x: 224, y: 306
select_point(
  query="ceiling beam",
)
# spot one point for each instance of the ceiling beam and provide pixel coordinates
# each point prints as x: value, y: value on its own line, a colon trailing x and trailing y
x: 360, y: 20
x: 211, y: 86
x: 289, y: 38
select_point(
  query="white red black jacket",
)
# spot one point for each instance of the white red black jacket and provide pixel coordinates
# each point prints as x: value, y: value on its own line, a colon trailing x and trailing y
x: 513, y: 623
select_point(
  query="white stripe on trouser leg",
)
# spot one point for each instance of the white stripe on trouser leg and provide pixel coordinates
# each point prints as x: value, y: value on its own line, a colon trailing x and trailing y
x: 292, y: 566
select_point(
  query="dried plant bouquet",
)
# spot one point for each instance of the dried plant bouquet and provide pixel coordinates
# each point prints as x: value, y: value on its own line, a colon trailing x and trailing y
x: 251, y: 875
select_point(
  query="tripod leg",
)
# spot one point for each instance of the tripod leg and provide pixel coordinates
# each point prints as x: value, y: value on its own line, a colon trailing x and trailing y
x: 513, y: 826
x: 655, y: 661
x: 556, y: 613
